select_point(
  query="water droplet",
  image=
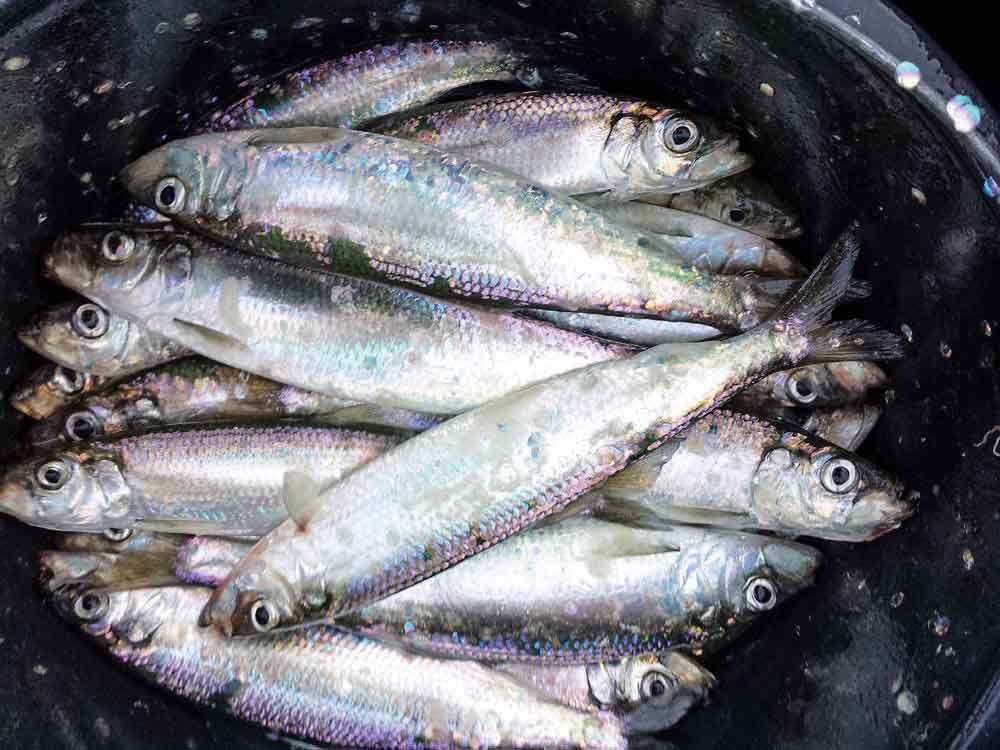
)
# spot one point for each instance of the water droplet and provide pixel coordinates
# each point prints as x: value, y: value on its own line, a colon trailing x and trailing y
x: 965, y: 115
x: 700, y: 71
x: 767, y: 89
x: 991, y: 187
x: 40, y: 670
x: 192, y: 20
x: 347, y: 20
x: 104, y: 87
x: 11, y: 178
x: 86, y: 178
x: 307, y: 22
x: 523, y: 3
x: 82, y: 100
x: 945, y: 349
x: 987, y: 328
x: 569, y: 35
x: 968, y: 560
x: 906, y: 702
x: 897, y: 599
x: 947, y: 703
x: 258, y: 34
x: 85, y: 138
x: 162, y: 27
x: 42, y: 217
x: 918, y: 196
x: 18, y: 62
x: 940, y: 625
x: 59, y: 67
x: 907, y: 332
x: 907, y: 75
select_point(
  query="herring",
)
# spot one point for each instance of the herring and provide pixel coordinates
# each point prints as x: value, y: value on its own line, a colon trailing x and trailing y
x: 50, y: 388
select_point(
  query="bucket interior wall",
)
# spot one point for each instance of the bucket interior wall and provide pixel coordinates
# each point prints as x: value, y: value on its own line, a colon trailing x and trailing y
x: 896, y: 642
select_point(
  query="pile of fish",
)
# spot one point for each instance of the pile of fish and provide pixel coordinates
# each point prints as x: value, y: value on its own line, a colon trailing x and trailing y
x: 377, y: 437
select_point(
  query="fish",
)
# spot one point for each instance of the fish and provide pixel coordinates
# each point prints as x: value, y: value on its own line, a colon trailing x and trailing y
x: 845, y: 426
x: 350, y: 90
x: 453, y: 491
x: 739, y: 471
x: 88, y: 338
x: 50, y: 388
x: 351, y: 339
x: 650, y: 693
x: 708, y: 244
x: 195, y: 389
x: 643, y: 332
x: 743, y: 201
x: 62, y: 570
x: 217, y: 479
x: 122, y: 541
x: 823, y: 385
x: 330, y: 685
x: 391, y: 210
x: 579, y: 591
x: 578, y: 143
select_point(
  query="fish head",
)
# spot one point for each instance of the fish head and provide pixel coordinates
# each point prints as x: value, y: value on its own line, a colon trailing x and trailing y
x: 78, y: 335
x: 62, y: 570
x: 683, y: 151
x: 66, y: 491
x: 74, y: 424
x: 133, y: 269
x: 846, y: 427
x: 122, y: 540
x: 829, y: 384
x: 129, y: 616
x: 192, y: 180
x: 48, y: 389
x: 752, y: 205
x: 651, y: 692
x: 813, y: 487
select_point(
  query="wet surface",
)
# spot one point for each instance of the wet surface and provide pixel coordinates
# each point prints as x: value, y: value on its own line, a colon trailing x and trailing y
x: 863, y: 660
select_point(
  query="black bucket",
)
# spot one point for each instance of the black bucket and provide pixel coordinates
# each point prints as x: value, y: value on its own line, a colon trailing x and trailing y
x: 895, y: 646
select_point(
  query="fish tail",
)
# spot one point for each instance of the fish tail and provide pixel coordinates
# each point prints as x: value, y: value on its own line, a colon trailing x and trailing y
x: 811, y: 306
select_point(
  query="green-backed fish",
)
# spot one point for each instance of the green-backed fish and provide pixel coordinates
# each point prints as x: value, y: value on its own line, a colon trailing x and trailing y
x: 86, y: 337
x: 50, y: 388
x: 329, y: 685
x: 348, y: 338
x: 388, y: 78
x: 579, y: 143
x: 120, y: 540
x: 379, y: 207
x: 743, y: 201
x: 581, y: 590
x: 214, y: 479
x: 465, y: 485
x: 739, y: 471
x: 199, y: 390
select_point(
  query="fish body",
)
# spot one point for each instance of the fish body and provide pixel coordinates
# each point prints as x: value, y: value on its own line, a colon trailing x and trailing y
x: 471, y: 482
x: 578, y: 143
x: 199, y: 390
x: 824, y: 385
x: 638, y: 331
x: 582, y: 590
x: 222, y: 480
x: 743, y: 201
x: 740, y: 471
x: 386, y: 78
x: 50, y: 388
x: 62, y: 570
x: 347, y: 338
x: 845, y: 426
x: 378, y: 207
x: 86, y: 337
x: 328, y: 685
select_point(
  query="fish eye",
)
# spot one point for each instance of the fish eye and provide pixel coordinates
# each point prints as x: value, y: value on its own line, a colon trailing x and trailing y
x: 82, y: 425
x: 117, y: 246
x: 69, y: 381
x: 117, y: 535
x: 170, y: 193
x: 90, y: 321
x: 655, y: 685
x: 737, y: 216
x: 90, y: 605
x: 761, y: 594
x: 681, y: 135
x: 801, y: 388
x: 263, y: 616
x: 52, y: 475
x: 839, y: 475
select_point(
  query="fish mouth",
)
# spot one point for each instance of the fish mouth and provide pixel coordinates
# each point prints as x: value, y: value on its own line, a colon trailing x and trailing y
x: 724, y: 160
x: 30, y: 335
x: 16, y: 501
x: 795, y: 564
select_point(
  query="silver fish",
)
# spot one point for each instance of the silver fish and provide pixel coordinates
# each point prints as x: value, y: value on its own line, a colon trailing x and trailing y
x: 121, y: 541
x: 744, y: 201
x: 325, y: 684
x: 379, y: 207
x: 708, y: 244
x: 579, y: 143
x: 63, y: 569
x: 199, y: 390
x: 451, y: 492
x: 351, y: 339
x: 581, y: 590
x: 86, y: 337
x: 386, y: 78
x: 650, y: 693
x: 830, y: 384
x: 221, y: 479
x: 638, y: 331
x: 846, y: 426
x: 50, y: 388
x: 739, y: 471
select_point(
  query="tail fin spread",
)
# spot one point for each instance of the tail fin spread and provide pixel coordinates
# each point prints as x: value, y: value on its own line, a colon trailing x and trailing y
x: 856, y: 340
